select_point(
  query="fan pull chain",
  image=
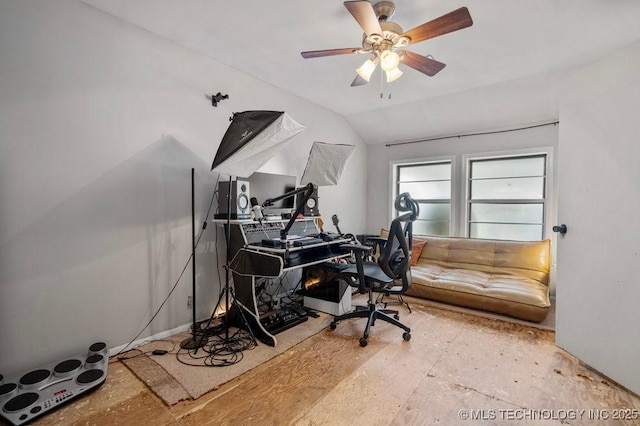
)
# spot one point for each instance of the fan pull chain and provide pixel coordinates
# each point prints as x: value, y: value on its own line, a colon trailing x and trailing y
x: 381, y: 90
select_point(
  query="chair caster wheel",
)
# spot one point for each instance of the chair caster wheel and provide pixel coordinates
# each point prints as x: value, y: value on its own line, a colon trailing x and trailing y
x: 363, y: 342
x: 332, y: 325
x: 406, y: 336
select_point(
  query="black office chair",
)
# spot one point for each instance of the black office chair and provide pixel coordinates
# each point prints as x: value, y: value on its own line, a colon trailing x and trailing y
x: 393, y: 264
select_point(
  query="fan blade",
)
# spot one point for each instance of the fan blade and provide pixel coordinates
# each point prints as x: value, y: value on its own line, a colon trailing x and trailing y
x: 329, y: 52
x: 452, y: 21
x: 358, y: 81
x: 363, y: 12
x: 423, y: 64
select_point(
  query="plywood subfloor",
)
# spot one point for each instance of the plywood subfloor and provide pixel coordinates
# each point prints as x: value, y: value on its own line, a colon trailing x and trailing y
x: 490, y: 368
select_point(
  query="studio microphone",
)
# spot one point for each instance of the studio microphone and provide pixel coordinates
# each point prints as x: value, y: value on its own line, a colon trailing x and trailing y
x: 256, y: 209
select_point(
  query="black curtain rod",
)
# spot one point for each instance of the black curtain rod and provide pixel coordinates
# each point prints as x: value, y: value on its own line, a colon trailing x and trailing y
x: 472, y: 134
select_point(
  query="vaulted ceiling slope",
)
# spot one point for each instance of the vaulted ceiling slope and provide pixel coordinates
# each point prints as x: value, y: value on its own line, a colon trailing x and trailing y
x: 513, y: 47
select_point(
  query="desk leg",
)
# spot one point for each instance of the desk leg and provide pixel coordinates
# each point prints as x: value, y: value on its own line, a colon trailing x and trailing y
x: 245, y: 292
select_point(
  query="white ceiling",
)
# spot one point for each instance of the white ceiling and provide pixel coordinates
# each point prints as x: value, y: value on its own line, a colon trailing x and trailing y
x: 510, y: 41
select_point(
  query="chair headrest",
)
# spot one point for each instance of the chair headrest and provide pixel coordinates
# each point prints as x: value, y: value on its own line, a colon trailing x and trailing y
x: 404, y: 203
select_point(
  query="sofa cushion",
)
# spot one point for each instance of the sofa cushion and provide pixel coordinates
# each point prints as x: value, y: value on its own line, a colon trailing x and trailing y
x: 512, y: 295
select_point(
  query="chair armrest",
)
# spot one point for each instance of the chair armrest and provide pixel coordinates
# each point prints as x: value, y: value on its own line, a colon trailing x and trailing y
x: 377, y: 239
x: 364, y: 237
x: 376, y: 242
x: 356, y: 247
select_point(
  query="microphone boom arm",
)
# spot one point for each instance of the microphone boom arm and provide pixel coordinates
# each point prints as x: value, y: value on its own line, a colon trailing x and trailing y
x: 308, y: 192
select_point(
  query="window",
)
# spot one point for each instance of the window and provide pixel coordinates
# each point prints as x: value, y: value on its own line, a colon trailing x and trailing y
x: 430, y: 185
x: 499, y: 195
x: 506, y: 197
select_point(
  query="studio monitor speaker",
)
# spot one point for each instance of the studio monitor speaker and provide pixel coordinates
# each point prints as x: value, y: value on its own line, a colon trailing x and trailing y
x: 311, y: 206
x: 240, y: 207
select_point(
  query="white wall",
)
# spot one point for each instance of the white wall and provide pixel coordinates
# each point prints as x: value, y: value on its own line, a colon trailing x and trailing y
x: 101, y: 125
x: 599, y: 190
x: 501, y: 105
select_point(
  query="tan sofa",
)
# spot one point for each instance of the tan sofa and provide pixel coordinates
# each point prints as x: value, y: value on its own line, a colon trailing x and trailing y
x: 507, y: 277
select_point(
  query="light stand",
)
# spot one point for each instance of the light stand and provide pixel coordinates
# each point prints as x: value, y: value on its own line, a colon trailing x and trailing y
x: 193, y: 342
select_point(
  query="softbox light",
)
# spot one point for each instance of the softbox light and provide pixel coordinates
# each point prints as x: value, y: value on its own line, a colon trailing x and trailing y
x: 326, y: 163
x: 252, y: 139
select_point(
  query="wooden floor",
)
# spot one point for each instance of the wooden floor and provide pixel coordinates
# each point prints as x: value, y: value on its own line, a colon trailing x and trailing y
x: 457, y: 369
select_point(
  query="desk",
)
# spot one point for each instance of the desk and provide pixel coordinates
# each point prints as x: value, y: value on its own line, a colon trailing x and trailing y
x: 252, y: 260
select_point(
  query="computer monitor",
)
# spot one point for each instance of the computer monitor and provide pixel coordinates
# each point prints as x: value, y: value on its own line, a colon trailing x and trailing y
x: 268, y: 185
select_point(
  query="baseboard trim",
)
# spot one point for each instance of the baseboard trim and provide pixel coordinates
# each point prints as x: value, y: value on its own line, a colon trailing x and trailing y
x: 158, y: 336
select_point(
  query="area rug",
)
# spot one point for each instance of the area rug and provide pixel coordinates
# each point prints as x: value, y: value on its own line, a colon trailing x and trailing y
x: 174, y: 381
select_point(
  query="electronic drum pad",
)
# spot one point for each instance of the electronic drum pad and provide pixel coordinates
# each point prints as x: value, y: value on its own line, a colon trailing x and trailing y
x: 29, y: 395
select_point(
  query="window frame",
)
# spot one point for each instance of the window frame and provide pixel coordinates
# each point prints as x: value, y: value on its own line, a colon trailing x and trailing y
x: 548, y: 190
x: 460, y: 170
x: 455, y: 185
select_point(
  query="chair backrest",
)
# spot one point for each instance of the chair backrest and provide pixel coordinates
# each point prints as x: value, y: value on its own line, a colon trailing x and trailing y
x: 395, y: 255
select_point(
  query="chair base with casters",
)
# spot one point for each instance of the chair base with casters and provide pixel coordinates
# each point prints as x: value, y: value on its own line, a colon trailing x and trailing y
x: 371, y: 310
x: 372, y: 313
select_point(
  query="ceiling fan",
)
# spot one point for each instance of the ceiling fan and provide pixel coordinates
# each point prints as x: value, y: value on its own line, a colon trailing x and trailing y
x: 385, y: 40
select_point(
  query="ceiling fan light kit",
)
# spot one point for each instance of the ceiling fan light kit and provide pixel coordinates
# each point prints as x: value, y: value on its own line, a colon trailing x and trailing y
x: 383, y: 39
x: 389, y: 60
x: 393, y: 74
x: 367, y: 69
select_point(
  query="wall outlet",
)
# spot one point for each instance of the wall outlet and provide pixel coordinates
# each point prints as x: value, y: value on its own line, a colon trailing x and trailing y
x: 189, y: 302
